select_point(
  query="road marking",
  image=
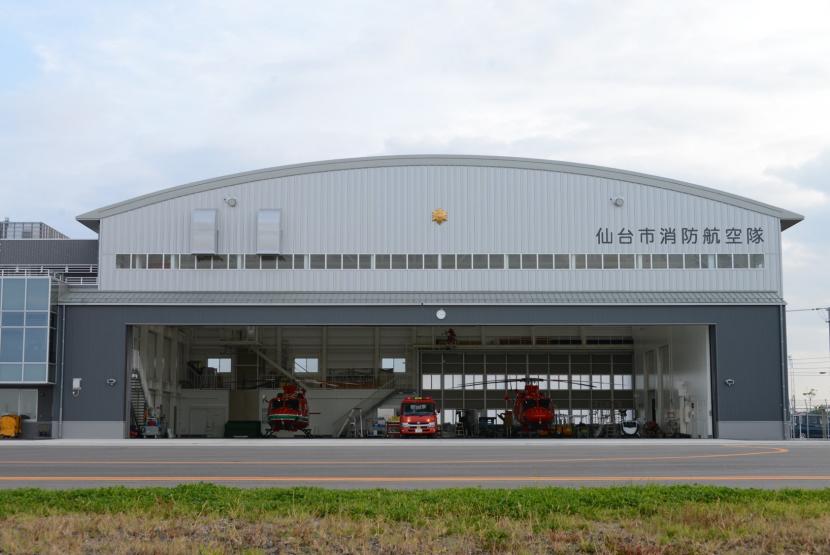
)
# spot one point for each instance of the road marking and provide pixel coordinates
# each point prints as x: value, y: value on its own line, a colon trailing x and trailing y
x: 317, y: 462
x: 418, y: 479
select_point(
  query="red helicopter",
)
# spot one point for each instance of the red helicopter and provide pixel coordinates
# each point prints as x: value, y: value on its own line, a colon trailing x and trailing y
x: 289, y: 410
x: 533, y: 411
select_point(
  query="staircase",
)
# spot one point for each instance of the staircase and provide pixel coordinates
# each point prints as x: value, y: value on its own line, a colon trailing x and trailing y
x: 138, y: 403
x: 355, y: 414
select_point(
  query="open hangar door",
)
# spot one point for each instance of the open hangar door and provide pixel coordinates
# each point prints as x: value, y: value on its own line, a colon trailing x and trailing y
x: 216, y: 381
x: 596, y: 378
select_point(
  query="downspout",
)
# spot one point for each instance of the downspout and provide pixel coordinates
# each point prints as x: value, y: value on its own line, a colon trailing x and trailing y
x: 63, y: 347
x: 785, y: 412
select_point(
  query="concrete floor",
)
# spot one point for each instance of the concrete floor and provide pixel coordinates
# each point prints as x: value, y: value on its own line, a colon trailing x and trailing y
x: 413, y: 463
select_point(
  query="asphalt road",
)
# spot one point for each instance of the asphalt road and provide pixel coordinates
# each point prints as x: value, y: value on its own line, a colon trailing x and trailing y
x: 413, y: 463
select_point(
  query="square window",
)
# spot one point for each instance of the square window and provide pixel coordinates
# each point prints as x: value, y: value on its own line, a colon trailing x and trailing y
x: 464, y: 261
x: 221, y: 365
x: 448, y: 261
x: 170, y: 261
x: 187, y: 262
x: 707, y: 260
x: 724, y: 261
x: 514, y: 261
x: 203, y: 261
x: 529, y: 262
x: 741, y: 260
x: 139, y: 261
x: 399, y: 262
x: 659, y: 261
x: 154, y: 261
x: 676, y: 261
x: 415, y: 261
x: 546, y: 262
x: 383, y: 261
x: 594, y: 261
x: 397, y: 365
x: 37, y: 294
x: 431, y: 261
x: 627, y: 261
x: 306, y: 365
x: 251, y: 262
x: 220, y: 262
x: 34, y: 372
x: 692, y: 260
x: 756, y: 260
x: 350, y: 262
x: 610, y: 261
x: 122, y: 261
x: 12, y: 318
x: 10, y: 373
x: 480, y: 261
x: 334, y: 262
x: 496, y: 261
x: 233, y: 261
x: 579, y: 261
x: 562, y: 261
x: 645, y: 261
x: 299, y: 262
x: 318, y: 261
x: 268, y: 261
x: 37, y: 319
x: 365, y: 261
x: 285, y: 262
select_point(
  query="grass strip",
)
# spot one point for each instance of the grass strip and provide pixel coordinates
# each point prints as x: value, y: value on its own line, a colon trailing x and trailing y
x: 206, y: 518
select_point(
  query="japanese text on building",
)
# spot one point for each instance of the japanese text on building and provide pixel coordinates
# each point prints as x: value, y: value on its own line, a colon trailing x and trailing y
x: 681, y: 236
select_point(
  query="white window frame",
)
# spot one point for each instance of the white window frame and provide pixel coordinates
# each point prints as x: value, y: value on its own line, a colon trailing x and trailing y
x: 306, y: 365
x: 223, y: 365
x: 395, y: 364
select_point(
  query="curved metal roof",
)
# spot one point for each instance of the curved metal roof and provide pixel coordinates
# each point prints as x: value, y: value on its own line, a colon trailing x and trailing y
x: 92, y: 219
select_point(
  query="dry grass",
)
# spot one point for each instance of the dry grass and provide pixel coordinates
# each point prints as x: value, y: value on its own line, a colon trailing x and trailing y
x: 691, y: 532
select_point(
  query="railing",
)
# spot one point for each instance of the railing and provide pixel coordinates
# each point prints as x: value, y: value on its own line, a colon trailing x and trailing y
x: 66, y: 273
x: 52, y: 268
x: 79, y: 281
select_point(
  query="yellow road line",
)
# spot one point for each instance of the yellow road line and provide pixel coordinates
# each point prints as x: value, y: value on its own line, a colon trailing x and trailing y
x: 418, y: 479
x: 318, y: 462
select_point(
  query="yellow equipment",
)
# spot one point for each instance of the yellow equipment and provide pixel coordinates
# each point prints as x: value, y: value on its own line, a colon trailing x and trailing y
x: 9, y: 425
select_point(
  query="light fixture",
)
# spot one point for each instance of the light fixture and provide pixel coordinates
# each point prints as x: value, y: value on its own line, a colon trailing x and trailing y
x: 230, y: 201
x: 441, y: 314
x: 618, y: 202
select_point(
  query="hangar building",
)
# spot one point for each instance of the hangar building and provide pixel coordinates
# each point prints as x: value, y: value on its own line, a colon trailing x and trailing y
x: 622, y: 295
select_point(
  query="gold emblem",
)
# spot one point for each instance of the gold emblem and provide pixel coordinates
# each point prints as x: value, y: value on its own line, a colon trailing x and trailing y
x: 439, y: 216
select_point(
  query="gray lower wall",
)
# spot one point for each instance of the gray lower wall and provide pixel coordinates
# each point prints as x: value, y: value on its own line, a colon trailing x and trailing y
x: 748, y: 345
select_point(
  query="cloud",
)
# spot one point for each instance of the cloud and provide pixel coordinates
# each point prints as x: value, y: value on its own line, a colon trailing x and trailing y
x: 104, y: 101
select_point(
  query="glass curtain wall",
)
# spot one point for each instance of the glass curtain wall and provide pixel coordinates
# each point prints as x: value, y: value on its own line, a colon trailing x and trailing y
x: 26, y: 354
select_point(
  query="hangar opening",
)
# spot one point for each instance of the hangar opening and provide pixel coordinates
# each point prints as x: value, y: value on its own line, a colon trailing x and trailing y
x: 599, y: 381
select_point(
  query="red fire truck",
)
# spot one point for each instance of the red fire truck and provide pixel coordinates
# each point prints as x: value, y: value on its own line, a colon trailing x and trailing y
x: 419, y: 417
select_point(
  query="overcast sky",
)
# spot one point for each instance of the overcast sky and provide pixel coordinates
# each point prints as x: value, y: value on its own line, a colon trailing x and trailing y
x: 102, y: 101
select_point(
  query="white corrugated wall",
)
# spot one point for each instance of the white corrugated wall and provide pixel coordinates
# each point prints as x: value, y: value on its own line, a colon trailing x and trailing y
x: 388, y: 210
